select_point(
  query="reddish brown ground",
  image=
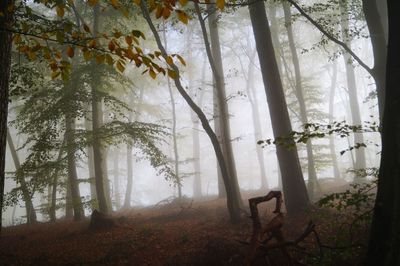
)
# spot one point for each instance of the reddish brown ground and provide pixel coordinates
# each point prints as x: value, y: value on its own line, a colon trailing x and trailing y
x: 174, y: 234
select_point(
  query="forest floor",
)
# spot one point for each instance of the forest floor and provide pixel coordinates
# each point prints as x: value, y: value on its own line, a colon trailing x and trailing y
x: 175, y: 233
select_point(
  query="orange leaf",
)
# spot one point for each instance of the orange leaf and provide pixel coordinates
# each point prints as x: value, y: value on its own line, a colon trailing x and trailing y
x: 166, y: 13
x: 70, y: 51
x: 220, y: 4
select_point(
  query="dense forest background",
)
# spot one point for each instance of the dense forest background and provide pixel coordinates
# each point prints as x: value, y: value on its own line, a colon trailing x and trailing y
x: 119, y: 105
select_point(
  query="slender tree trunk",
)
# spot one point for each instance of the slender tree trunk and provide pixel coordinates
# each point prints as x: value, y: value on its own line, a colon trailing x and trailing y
x: 174, y: 132
x: 294, y: 188
x: 214, y: 57
x: 89, y: 152
x: 129, y: 159
x: 98, y: 152
x: 232, y: 203
x: 117, y: 195
x: 69, y: 211
x: 312, y: 174
x: 255, y: 113
x: 335, y: 166
x: 352, y: 89
x: 54, y: 186
x: 384, y: 241
x: 72, y: 174
x: 6, y: 21
x: 30, y: 210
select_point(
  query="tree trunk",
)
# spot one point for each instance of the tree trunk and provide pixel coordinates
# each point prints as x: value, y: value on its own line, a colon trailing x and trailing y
x: 72, y: 174
x: 384, y: 242
x: 30, y: 210
x: 214, y: 57
x: 232, y: 202
x: 98, y: 152
x: 54, y: 186
x: 6, y: 21
x: 90, y: 164
x: 335, y: 166
x: 294, y: 188
x: 255, y: 114
x: 377, y: 34
x: 117, y: 195
x: 312, y: 174
x: 352, y: 89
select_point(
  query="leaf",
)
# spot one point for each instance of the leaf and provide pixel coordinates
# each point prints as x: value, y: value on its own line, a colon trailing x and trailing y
x: 128, y: 40
x: 159, y: 11
x: 100, y: 58
x: 92, y: 3
x: 32, y: 56
x: 92, y: 43
x: 220, y: 4
x: 114, y: 3
x: 86, y: 28
x: 166, y: 13
x: 109, y: 59
x: 87, y: 55
x: 137, y: 2
x: 60, y: 11
x: 70, y: 52
x: 111, y: 46
x: 172, y: 74
x: 183, y: 2
x: 152, y: 74
x: 180, y: 58
x: 169, y: 60
x: 182, y: 16
x: 120, y: 67
x: 17, y: 38
x: 55, y: 74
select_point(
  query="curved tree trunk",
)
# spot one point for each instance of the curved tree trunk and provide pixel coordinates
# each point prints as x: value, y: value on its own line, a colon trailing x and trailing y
x: 232, y: 203
x: 294, y: 187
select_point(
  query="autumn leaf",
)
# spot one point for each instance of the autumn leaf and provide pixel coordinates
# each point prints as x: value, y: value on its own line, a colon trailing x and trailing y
x: 183, y: 2
x: 159, y: 11
x: 128, y: 40
x: 114, y: 3
x: 87, y: 55
x: 55, y: 74
x: 166, y: 13
x: 86, y: 28
x: 152, y: 74
x: 137, y: 2
x: 60, y: 11
x: 182, y: 16
x: 70, y: 51
x: 169, y: 60
x: 92, y: 43
x: 100, y: 58
x: 172, y: 74
x: 220, y: 4
x: 92, y: 3
x: 111, y: 46
x: 109, y: 59
x: 120, y: 66
x: 180, y: 58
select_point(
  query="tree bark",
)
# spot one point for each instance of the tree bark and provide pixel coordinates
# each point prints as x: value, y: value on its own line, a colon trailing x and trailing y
x: 6, y: 21
x: 72, y: 173
x: 213, y: 49
x: 294, y: 188
x: 384, y: 242
x: 232, y: 203
x: 117, y: 195
x: 90, y: 164
x: 335, y: 166
x: 312, y: 174
x: 30, y: 210
x: 352, y: 89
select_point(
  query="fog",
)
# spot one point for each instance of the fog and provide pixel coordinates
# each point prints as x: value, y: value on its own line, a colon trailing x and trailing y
x: 237, y: 45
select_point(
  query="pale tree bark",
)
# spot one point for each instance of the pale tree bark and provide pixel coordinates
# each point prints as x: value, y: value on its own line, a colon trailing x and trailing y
x: 90, y: 164
x: 232, y: 202
x: 294, y: 188
x: 72, y: 173
x: 54, y: 185
x: 335, y: 165
x: 5, y: 62
x: 30, y: 210
x: 299, y: 92
x: 352, y: 88
x: 103, y: 197
x: 213, y: 49
x: 116, y: 187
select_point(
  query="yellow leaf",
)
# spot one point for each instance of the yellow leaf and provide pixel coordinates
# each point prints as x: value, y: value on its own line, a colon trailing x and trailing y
x: 92, y: 3
x: 159, y: 11
x: 92, y: 43
x: 183, y: 2
x: 17, y: 38
x: 157, y: 53
x: 120, y: 67
x: 111, y: 46
x: 109, y: 59
x: 60, y: 11
x: 32, y: 56
x: 55, y: 74
x: 182, y: 16
x: 172, y: 74
x: 114, y: 3
x: 87, y: 55
x: 220, y: 4
x: 152, y: 74
x: 137, y: 2
x: 70, y: 51
x: 169, y: 60
x: 100, y: 58
x: 180, y: 58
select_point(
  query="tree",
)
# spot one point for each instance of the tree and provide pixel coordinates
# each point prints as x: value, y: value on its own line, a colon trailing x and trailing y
x: 294, y: 188
x: 384, y: 243
x: 6, y: 20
